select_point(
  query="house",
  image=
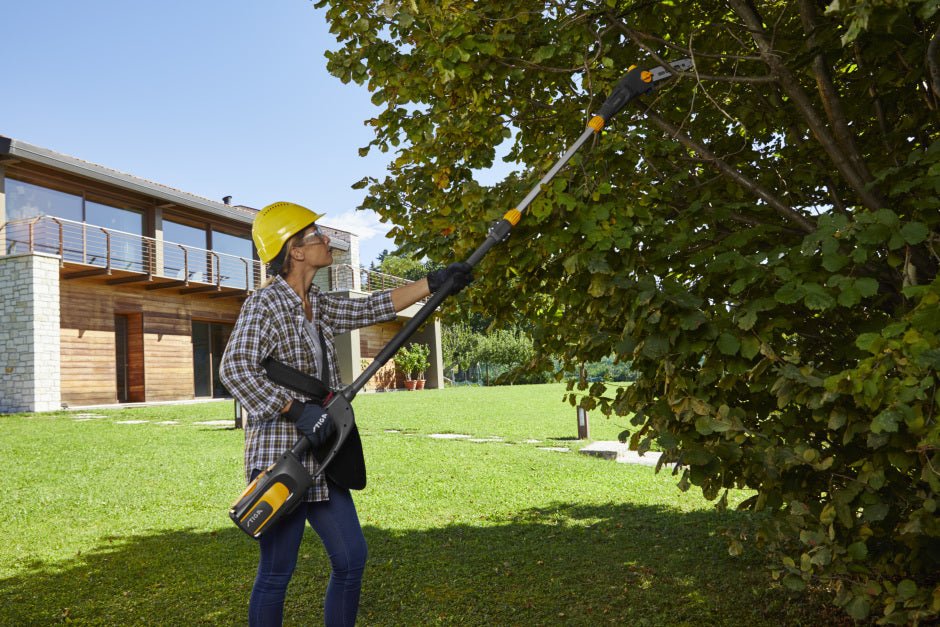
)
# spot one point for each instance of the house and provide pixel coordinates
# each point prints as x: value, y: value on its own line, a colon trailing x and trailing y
x: 115, y: 289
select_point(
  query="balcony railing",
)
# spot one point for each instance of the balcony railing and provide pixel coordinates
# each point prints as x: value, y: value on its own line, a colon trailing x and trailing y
x: 109, y: 249
x: 346, y: 277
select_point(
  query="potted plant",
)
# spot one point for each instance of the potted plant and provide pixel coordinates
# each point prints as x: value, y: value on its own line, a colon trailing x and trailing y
x: 406, y: 359
x: 422, y: 354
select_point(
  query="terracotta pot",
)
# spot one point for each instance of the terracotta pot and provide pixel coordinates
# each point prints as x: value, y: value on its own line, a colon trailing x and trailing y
x: 420, y: 383
x: 410, y: 385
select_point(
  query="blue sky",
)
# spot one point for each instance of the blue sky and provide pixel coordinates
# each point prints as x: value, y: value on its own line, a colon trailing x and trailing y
x: 214, y: 98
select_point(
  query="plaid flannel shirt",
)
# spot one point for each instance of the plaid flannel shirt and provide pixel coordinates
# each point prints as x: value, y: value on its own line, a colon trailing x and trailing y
x: 271, y: 323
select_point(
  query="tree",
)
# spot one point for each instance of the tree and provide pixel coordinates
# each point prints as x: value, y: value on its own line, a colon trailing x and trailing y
x: 459, y: 346
x: 509, y: 348
x: 758, y: 238
x: 401, y: 266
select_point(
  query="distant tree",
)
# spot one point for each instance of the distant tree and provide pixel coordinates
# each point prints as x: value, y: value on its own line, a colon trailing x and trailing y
x: 403, y: 267
x: 459, y: 346
x: 506, y: 347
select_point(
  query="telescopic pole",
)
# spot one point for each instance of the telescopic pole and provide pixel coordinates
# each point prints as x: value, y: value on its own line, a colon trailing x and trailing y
x: 634, y: 83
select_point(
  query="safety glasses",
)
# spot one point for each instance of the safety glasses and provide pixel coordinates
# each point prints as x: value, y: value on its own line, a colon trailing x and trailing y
x: 314, y: 237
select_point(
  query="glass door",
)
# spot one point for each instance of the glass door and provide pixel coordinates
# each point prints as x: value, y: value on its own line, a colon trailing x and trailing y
x: 120, y: 357
x: 209, y: 341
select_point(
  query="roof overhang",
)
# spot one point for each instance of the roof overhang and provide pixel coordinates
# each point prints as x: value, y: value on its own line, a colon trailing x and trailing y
x: 16, y: 149
x: 20, y: 150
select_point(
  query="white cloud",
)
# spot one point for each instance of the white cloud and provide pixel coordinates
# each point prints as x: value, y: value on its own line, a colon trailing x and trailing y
x: 372, y: 233
x: 363, y: 223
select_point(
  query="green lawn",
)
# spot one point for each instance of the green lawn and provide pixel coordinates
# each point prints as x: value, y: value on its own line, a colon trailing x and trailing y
x: 108, y: 523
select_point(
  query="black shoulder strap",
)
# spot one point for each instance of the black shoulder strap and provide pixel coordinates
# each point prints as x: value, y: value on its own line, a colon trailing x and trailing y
x: 324, y: 362
x: 295, y: 380
x: 298, y: 381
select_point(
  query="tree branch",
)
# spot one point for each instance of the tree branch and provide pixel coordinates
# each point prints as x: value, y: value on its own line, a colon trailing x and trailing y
x: 637, y: 35
x: 801, y: 100
x: 728, y: 79
x: 781, y: 208
x: 933, y: 62
x: 827, y: 91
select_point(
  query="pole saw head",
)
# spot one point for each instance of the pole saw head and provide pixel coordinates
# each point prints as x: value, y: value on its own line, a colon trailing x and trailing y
x: 637, y: 82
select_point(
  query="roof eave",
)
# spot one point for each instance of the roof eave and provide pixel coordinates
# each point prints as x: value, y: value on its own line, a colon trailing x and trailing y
x: 21, y: 150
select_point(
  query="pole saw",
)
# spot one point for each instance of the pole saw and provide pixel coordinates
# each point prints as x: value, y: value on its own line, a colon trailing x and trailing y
x: 276, y: 491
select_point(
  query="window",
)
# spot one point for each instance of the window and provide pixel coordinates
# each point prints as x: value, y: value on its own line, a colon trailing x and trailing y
x: 125, y: 227
x: 178, y: 261
x: 24, y: 201
x: 235, y: 272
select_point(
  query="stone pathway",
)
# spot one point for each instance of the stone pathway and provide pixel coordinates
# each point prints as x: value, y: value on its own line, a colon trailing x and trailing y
x: 613, y: 451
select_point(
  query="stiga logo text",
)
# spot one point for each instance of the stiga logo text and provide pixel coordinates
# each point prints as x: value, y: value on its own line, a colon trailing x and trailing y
x: 254, y: 517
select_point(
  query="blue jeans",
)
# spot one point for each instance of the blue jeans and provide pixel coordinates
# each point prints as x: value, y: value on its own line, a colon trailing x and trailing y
x: 337, y: 524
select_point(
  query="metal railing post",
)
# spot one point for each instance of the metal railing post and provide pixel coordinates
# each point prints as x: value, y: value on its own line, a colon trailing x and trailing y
x: 107, y: 241
x: 185, y: 264
x: 218, y: 268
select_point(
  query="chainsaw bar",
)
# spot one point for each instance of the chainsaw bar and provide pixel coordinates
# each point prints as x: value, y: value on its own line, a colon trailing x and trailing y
x: 659, y: 73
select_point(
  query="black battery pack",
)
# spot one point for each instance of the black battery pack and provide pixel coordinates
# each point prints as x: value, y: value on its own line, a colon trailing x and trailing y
x: 272, y: 495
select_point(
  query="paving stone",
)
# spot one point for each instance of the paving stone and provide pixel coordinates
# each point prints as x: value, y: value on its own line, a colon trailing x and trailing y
x: 620, y: 452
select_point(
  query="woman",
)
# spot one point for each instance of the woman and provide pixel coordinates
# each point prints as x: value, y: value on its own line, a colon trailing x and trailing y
x: 293, y: 322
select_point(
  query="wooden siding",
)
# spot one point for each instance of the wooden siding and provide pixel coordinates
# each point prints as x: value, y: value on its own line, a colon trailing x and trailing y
x: 371, y: 341
x: 164, y: 348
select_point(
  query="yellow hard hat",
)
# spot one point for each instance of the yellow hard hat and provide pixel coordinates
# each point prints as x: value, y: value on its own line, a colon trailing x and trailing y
x: 277, y: 223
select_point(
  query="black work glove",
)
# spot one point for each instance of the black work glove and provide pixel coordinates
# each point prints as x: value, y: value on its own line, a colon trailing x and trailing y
x: 311, y: 420
x: 461, y: 271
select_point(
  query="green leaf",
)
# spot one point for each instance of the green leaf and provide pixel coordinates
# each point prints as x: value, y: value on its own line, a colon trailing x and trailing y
x: 789, y: 293
x: 835, y: 261
x: 405, y: 20
x: 915, y: 232
x: 747, y: 320
x: 849, y: 296
x: 887, y: 421
x: 655, y: 347
x: 750, y: 346
x: 858, y: 551
x: 866, y: 286
x: 906, y: 589
x: 858, y: 608
x: 703, y: 424
x: 692, y: 320
x: 836, y: 420
x: 817, y: 297
x: 875, y: 512
x: 728, y: 344
x: 794, y: 582
x: 866, y: 340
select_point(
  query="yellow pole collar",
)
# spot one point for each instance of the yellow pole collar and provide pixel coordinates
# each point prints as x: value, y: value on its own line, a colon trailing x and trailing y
x: 513, y: 216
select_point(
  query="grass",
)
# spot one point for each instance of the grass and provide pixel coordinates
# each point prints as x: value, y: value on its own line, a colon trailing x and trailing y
x: 109, y: 523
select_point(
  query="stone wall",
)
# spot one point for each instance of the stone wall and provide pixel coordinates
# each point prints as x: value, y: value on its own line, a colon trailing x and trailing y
x: 29, y: 333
